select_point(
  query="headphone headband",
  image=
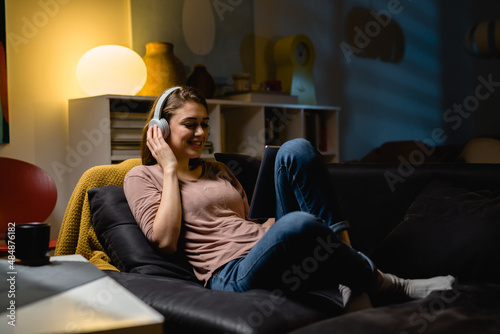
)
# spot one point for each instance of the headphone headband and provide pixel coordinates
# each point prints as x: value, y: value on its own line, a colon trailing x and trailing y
x: 157, y: 120
x: 161, y: 101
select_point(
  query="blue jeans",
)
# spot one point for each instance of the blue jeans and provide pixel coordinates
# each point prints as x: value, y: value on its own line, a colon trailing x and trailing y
x: 300, y: 252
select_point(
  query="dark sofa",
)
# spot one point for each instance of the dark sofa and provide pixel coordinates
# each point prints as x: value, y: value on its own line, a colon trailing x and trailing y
x: 414, y: 221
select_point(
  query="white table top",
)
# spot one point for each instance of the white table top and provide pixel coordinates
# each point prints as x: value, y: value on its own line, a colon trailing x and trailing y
x: 99, y: 305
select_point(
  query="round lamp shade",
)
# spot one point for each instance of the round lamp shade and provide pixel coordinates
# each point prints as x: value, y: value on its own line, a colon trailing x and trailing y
x: 111, y: 69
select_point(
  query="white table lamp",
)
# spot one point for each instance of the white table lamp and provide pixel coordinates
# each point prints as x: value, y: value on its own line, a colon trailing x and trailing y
x: 111, y: 69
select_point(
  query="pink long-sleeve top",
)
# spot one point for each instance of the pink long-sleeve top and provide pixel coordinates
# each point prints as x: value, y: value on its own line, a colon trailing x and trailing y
x: 214, y: 210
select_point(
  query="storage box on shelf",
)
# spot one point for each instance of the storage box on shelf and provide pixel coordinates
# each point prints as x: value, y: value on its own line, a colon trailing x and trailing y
x: 108, y: 128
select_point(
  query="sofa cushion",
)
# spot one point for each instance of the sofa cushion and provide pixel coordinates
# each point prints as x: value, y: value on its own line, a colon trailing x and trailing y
x: 123, y: 240
x: 191, y: 308
x: 447, y: 230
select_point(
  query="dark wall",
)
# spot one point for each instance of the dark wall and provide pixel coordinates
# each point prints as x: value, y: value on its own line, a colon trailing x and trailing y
x: 486, y: 119
x: 427, y: 92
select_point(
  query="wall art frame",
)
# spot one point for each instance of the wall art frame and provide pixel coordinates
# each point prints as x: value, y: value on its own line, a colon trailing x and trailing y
x: 4, y: 124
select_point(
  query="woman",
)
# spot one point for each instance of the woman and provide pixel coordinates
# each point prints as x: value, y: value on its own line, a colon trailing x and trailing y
x: 183, y: 203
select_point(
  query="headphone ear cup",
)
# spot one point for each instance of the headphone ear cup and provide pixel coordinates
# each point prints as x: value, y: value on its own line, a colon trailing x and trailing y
x: 154, y: 122
x: 165, y: 128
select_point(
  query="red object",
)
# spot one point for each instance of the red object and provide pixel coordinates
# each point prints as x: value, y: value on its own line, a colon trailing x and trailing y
x: 273, y: 85
x: 27, y: 194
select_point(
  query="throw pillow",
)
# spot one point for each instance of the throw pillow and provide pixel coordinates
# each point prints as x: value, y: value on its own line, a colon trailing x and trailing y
x: 124, y: 241
x: 447, y: 230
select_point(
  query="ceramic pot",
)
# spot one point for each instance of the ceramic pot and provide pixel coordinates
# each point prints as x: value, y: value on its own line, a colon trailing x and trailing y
x: 202, y: 80
x: 165, y: 70
x: 241, y: 82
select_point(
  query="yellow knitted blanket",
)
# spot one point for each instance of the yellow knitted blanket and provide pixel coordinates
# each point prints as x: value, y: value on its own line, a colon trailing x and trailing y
x: 77, y: 235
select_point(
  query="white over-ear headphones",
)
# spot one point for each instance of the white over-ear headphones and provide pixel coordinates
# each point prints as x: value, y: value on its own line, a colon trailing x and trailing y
x: 162, y: 122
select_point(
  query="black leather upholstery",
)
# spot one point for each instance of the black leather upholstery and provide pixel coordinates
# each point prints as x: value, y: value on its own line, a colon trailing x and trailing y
x: 373, y: 207
x: 123, y: 240
x: 369, y: 198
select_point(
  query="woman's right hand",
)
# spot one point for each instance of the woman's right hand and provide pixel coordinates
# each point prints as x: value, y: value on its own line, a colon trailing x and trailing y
x: 168, y: 219
x: 159, y: 148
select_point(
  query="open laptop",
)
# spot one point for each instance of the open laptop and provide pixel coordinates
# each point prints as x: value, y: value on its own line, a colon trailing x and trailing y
x: 263, y: 203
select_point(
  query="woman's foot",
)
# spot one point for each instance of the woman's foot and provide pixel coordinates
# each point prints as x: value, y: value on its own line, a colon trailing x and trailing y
x: 412, y: 288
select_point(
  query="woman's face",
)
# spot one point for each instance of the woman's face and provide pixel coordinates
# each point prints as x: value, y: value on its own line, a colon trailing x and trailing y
x: 188, y: 130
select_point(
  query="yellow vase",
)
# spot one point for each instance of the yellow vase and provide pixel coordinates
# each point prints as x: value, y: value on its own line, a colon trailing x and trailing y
x: 165, y: 70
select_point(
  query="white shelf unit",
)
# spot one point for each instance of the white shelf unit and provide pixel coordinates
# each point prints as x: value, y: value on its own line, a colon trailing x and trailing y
x: 107, y: 129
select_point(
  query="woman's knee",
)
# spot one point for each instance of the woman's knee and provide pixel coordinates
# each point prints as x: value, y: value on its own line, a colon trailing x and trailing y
x: 296, y: 143
x: 295, y: 146
x: 297, y: 150
x: 303, y: 223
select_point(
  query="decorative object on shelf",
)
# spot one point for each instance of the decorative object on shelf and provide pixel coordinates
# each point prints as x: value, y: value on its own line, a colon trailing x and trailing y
x: 241, y: 82
x: 262, y: 97
x: 202, y: 80
x: 294, y: 56
x: 373, y: 35
x: 483, y: 39
x: 198, y: 26
x: 111, y: 69
x: 272, y: 86
x: 165, y: 70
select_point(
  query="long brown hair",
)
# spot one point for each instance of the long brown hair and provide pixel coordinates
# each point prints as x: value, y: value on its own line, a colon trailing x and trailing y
x: 176, y: 100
